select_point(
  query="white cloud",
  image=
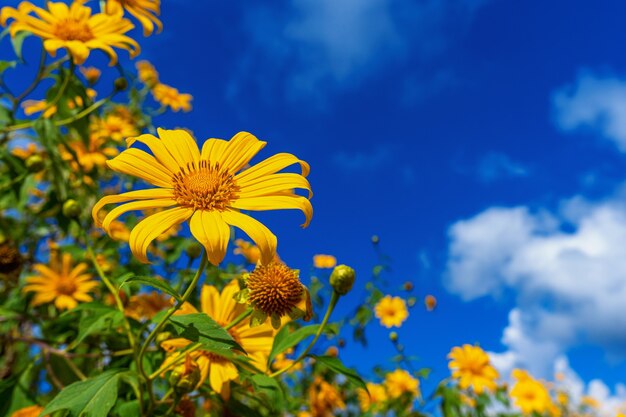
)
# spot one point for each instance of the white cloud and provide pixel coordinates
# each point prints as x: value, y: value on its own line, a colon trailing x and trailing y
x: 495, y: 166
x: 565, y: 268
x: 594, y: 103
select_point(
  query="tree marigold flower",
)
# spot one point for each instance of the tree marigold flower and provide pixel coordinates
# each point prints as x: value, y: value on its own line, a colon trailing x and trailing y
x: 71, y: 27
x: 146, y: 11
x: 373, y: 398
x: 60, y: 283
x: 30, y: 411
x: 529, y: 394
x: 430, y: 302
x: 147, y: 73
x: 391, y: 311
x: 324, y: 261
x: 170, y: 97
x: 325, y: 398
x: 113, y: 127
x: 401, y: 382
x: 251, y: 252
x: 205, y: 188
x: 91, y: 74
x: 222, y: 308
x: 470, y: 365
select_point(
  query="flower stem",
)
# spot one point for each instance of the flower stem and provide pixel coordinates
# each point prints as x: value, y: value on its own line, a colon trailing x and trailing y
x: 238, y: 319
x: 331, y: 306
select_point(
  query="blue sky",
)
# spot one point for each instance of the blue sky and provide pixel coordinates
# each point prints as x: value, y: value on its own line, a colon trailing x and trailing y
x: 483, y: 141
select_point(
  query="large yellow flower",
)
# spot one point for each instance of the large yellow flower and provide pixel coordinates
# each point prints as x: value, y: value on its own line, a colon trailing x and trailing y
x: 60, y: 283
x: 73, y: 28
x: 391, y: 311
x: 256, y: 341
x: 146, y: 11
x: 470, y: 365
x: 529, y: 394
x: 207, y: 189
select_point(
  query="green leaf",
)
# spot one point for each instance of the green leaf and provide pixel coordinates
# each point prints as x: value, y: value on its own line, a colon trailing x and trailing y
x: 157, y: 283
x: 18, y: 41
x: 97, y: 319
x: 270, y: 388
x: 91, y: 398
x: 335, y: 364
x: 285, y: 339
x: 5, y: 65
x: 199, y: 327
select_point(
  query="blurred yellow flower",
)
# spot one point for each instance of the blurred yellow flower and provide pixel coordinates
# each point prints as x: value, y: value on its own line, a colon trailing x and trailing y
x: 391, y: 311
x: 146, y: 305
x: 146, y: 11
x: 205, y: 188
x: 31, y: 107
x: 588, y: 401
x: 91, y: 74
x: 324, y: 261
x: 113, y: 127
x: 467, y: 400
x: 562, y: 398
x: 147, y: 73
x: 88, y: 156
x: 24, y: 153
x: 324, y: 398
x: 30, y: 411
x: 470, y: 365
x: 400, y: 382
x: 282, y: 361
x: 60, y: 283
x: 251, y: 252
x: 256, y: 341
x: 73, y: 28
x: 374, y: 400
x: 170, y: 97
x: 529, y: 394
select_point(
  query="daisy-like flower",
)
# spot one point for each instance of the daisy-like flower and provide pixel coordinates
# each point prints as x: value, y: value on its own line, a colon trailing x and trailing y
x: 89, y: 156
x: 31, y: 107
x: 256, y: 341
x: 206, y: 188
x: 470, y: 365
x: 147, y: 73
x: 71, y: 27
x: 391, y: 311
x: 170, y: 97
x: 325, y: 398
x: 146, y: 11
x: 400, y: 382
x: 60, y: 283
x: 324, y: 261
x: 91, y: 74
x: 373, y: 398
x: 274, y: 290
x: 113, y: 127
x: 529, y: 394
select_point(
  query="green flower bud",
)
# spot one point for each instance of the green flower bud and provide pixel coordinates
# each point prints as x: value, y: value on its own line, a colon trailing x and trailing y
x: 120, y: 84
x: 194, y: 250
x: 35, y: 163
x: 375, y: 239
x: 184, y: 378
x: 393, y: 336
x: 342, y: 279
x: 71, y: 208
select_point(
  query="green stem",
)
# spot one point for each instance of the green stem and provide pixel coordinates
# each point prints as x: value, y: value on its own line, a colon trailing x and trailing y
x: 238, y: 319
x: 331, y: 306
x: 83, y: 113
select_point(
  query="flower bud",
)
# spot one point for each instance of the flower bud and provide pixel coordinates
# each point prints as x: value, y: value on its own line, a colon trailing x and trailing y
x: 393, y: 336
x: 407, y: 286
x: 375, y: 239
x: 71, y: 208
x: 332, y: 351
x: 341, y: 342
x: 120, y: 84
x: 411, y: 301
x: 185, y: 377
x: 342, y: 279
x: 34, y: 163
x: 430, y: 302
x: 194, y: 250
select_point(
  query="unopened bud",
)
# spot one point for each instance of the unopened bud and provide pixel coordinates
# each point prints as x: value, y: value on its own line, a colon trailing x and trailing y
x: 430, y: 302
x: 342, y: 279
x: 34, y: 163
x: 332, y: 351
x: 120, y: 84
x: 393, y: 336
x: 411, y: 301
x: 341, y: 342
x: 71, y: 208
x: 194, y: 250
x: 375, y: 239
x: 185, y: 377
x: 407, y: 286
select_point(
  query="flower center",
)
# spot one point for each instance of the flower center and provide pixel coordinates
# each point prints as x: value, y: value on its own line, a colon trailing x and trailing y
x: 66, y: 286
x: 204, y: 187
x: 73, y: 30
x: 274, y: 288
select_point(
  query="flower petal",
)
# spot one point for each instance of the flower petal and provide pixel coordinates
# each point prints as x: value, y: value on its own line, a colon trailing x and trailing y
x: 135, y: 205
x: 271, y: 184
x: 271, y: 165
x: 261, y: 235
x: 239, y: 151
x: 152, y: 227
x: 213, y: 149
x: 160, y: 151
x: 276, y: 202
x: 180, y: 145
x: 212, y: 232
x: 142, y: 165
x: 149, y: 194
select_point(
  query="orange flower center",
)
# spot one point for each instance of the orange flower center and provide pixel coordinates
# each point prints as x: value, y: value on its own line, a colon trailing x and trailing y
x: 274, y: 288
x: 66, y: 286
x: 73, y: 30
x: 204, y: 187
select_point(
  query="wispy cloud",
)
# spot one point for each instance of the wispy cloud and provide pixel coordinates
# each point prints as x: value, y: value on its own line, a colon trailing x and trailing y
x: 594, y: 103
x: 495, y: 166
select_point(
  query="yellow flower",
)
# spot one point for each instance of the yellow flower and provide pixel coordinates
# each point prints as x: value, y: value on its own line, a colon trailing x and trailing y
x: 467, y: 400
x: 324, y: 398
x: 587, y: 401
x: 146, y: 11
x: 470, y: 365
x: 89, y: 156
x: 31, y: 107
x: 562, y: 398
x: 374, y: 400
x: 324, y: 261
x: 31, y: 149
x: 91, y: 74
x: 147, y: 73
x: 205, y: 188
x: 274, y: 290
x: 113, y: 127
x: 391, y: 311
x: 169, y: 96
x: 73, y: 28
x: 30, y: 411
x: 251, y: 252
x: 146, y: 305
x: 400, y: 382
x: 60, y: 283
x: 282, y: 361
x: 222, y: 308
x: 529, y: 394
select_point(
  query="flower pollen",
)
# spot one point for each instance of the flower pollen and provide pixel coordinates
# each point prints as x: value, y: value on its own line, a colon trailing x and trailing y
x: 73, y: 30
x: 204, y: 187
x: 275, y: 289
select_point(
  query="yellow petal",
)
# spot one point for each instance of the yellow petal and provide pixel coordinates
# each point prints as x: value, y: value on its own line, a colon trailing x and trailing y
x: 239, y: 151
x: 135, y: 205
x: 279, y: 202
x: 261, y: 235
x: 272, y: 184
x: 212, y: 232
x: 271, y: 165
x: 152, y: 227
x: 150, y: 194
x: 158, y: 149
x: 140, y: 164
x: 180, y: 145
x: 213, y: 149
x: 209, y: 300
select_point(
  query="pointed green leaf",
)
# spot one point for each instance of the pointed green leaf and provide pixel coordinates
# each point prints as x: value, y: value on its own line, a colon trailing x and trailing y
x: 199, y: 327
x: 336, y: 365
x: 286, y: 339
x: 157, y: 283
